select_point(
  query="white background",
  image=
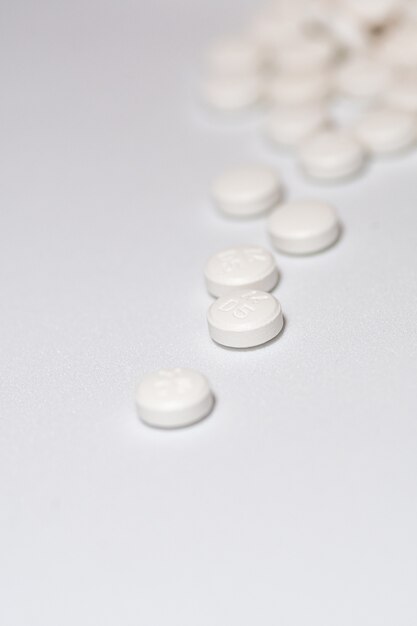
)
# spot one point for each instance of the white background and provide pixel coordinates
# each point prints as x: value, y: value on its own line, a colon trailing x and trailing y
x: 295, y: 502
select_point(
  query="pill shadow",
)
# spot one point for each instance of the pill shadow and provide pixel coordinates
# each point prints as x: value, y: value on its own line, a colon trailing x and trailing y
x: 262, y: 345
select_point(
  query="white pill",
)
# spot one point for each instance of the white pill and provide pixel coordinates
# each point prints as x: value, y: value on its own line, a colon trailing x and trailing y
x: 271, y: 30
x: 398, y: 47
x: 248, y: 267
x: 331, y: 154
x: 374, y: 13
x: 234, y: 55
x: 363, y: 77
x: 347, y: 29
x: 288, y: 126
x: 402, y: 92
x: 245, y: 318
x: 409, y: 10
x: 232, y: 94
x: 247, y: 191
x: 304, y: 227
x: 174, y: 398
x: 384, y: 130
x: 288, y: 88
x: 307, y: 54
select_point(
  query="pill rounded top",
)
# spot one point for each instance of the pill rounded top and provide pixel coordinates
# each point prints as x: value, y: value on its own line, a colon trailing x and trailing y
x: 402, y: 92
x: 289, y: 126
x: 244, y: 310
x: 304, y: 227
x: 288, y: 88
x: 231, y: 93
x: 233, y: 55
x: 362, y: 76
x: 332, y: 153
x: 374, y: 13
x: 329, y: 146
x: 240, y: 266
x: 302, y: 218
x: 387, y: 130
x: 304, y: 53
x: 246, y: 184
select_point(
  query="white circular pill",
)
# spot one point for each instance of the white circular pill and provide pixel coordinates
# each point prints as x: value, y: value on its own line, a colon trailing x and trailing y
x: 409, y: 10
x: 348, y: 30
x: 249, y: 267
x: 247, y: 191
x: 362, y: 77
x: 375, y: 13
x: 398, y: 47
x: 288, y: 126
x: 304, y: 227
x: 245, y: 318
x: 307, y: 54
x: 331, y: 154
x: 299, y: 88
x: 384, y: 130
x: 232, y: 93
x: 270, y: 30
x: 233, y: 55
x: 174, y: 398
x: 401, y: 94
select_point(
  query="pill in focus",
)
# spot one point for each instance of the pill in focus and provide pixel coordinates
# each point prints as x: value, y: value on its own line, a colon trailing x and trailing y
x: 245, y: 319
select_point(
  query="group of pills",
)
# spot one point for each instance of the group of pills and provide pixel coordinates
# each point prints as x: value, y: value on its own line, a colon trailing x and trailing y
x: 298, y: 58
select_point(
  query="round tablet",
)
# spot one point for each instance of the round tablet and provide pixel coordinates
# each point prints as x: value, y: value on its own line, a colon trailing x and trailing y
x: 402, y: 92
x: 384, y: 130
x: 398, y: 47
x: 270, y: 30
x: 307, y: 54
x: 247, y: 191
x: 288, y: 126
x: 233, y: 55
x: 362, y: 77
x: 347, y: 29
x: 331, y: 154
x: 237, y: 93
x: 245, y: 318
x: 299, y: 89
x: 375, y: 13
x: 174, y: 398
x: 249, y: 267
x: 304, y: 227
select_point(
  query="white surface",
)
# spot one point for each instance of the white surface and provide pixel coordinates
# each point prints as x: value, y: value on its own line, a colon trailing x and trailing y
x: 173, y: 398
x: 295, y: 502
x: 304, y: 227
x: 245, y: 319
x: 250, y: 267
